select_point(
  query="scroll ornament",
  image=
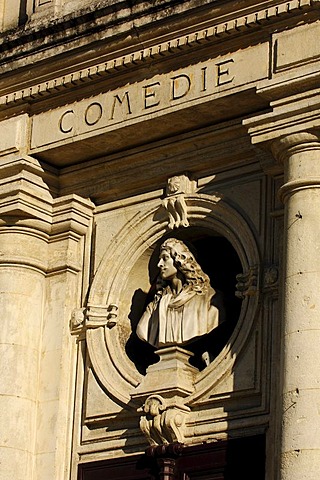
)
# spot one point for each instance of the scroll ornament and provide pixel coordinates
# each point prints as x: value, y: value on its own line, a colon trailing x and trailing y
x: 175, y: 203
x: 163, y: 422
x: 94, y: 316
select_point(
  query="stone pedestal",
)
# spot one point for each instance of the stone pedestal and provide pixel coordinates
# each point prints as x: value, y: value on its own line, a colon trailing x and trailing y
x: 162, y: 391
x: 171, y: 376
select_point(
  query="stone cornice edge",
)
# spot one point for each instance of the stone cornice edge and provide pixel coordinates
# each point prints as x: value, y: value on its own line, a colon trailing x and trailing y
x: 121, y: 63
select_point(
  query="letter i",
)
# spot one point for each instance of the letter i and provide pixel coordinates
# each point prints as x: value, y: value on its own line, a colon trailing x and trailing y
x: 204, y: 79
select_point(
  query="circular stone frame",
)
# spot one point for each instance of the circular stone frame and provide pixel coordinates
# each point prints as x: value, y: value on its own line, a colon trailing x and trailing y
x: 116, y: 373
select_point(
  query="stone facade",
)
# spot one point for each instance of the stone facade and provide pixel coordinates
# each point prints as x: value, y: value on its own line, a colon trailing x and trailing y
x: 123, y: 124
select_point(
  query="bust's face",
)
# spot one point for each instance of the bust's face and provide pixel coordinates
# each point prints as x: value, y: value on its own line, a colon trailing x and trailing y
x: 166, y: 265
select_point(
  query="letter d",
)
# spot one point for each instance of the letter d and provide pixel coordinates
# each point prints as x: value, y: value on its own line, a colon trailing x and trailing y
x: 180, y: 86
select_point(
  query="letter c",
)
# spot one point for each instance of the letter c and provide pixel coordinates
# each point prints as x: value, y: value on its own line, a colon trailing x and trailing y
x: 62, y: 127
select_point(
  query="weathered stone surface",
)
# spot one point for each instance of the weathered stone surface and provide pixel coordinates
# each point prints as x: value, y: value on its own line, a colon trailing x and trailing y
x: 124, y: 124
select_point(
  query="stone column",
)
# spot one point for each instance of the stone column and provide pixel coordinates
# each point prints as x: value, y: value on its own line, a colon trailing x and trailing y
x: 300, y: 438
x: 25, y: 215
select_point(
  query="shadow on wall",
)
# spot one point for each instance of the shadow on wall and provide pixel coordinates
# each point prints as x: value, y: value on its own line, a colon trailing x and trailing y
x: 23, y: 17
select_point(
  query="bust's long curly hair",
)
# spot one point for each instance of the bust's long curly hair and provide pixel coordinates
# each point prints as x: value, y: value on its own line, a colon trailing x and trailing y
x: 184, y: 261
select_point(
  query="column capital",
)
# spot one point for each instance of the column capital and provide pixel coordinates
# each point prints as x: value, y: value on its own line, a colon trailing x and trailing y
x: 29, y: 197
x: 285, y: 146
x: 26, y: 193
x: 293, y: 123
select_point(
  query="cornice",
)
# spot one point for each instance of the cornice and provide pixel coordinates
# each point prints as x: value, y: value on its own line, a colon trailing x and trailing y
x: 291, y: 115
x: 210, y: 34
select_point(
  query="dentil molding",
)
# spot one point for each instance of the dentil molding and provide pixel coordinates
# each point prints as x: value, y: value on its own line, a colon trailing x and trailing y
x: 195, y: 39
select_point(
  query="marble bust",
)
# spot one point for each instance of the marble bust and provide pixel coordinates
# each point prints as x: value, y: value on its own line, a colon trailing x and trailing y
x: 182, y: 309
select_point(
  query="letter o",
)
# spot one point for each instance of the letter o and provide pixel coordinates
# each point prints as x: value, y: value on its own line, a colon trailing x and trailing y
x: 93, y: 113
x: 61, y: 125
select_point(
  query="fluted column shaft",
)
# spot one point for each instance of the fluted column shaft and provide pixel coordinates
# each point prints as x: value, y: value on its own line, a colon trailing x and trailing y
x: 300, y: 439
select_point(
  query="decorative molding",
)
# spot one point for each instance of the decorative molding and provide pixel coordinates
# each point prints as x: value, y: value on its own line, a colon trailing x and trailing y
x: 185, y: 42
x: 71, y: 213
x: 293, y: 121
x: 24, y: 194
x: 27, y: 202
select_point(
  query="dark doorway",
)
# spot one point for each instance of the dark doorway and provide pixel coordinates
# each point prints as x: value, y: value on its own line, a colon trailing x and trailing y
x: 241, y: 458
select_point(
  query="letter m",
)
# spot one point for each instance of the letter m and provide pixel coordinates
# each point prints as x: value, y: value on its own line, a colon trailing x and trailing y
x: 120, y: 101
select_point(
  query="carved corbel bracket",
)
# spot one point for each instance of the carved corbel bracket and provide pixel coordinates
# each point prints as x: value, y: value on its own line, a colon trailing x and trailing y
x: 94, y: 316
x: 174, y: 201
x: 101, y: 315
x: 163, y: 421
x: 247, y: 283
x: 77, y: 321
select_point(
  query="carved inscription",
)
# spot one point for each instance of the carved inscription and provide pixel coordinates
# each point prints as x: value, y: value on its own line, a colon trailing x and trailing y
x: 161, y: 94
x: 118, y: 106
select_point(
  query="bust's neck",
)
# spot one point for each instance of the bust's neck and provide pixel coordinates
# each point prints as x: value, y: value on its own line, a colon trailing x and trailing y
x: 176, y: 285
